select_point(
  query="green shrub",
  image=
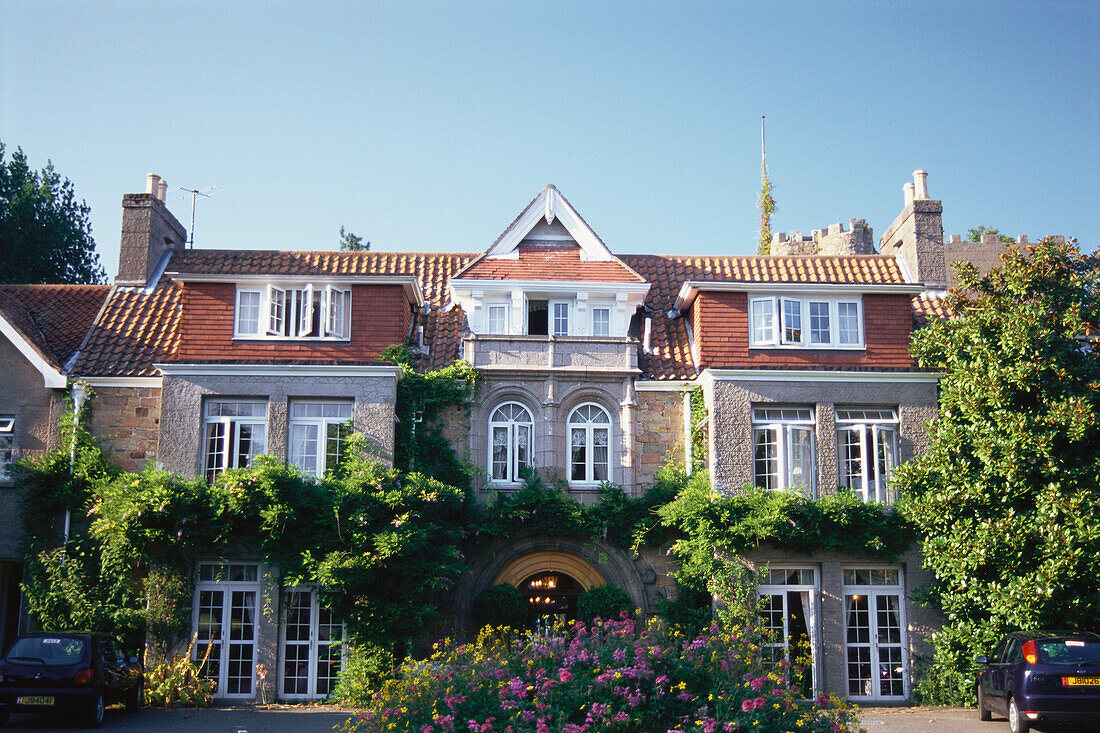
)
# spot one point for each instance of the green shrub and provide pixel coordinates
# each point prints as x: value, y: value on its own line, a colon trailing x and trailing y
x: 362, y: 670
x: 180, y: 682
x: 501, y: 605
x: 604, y: 601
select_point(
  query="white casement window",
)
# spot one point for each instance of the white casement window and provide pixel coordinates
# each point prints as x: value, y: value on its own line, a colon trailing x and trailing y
x: 226, y: 612
x: 789, y: 612
x: 875, y: 631
x: 299, y: 312
x: 7, y: 445
x: 867, y: 446
x: 234, y: 433
x: 763, y: 322
x: 806, y: 322
x: 510, y: 432
x: 313, y: 646
x: 783, y: 448
x: 561, y: 319
x: 317, y: 432
x: 601, y: 321
x: 497, y: 319
x: 589, y: 444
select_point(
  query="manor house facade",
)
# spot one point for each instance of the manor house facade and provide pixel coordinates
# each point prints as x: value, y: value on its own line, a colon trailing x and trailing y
x: 201, y: 360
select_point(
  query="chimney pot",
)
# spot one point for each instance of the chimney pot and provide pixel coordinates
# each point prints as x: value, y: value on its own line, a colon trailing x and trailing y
x: 162, y: 190
x: 909, y: 190
x: 152, y: 181
x: 920, y: 178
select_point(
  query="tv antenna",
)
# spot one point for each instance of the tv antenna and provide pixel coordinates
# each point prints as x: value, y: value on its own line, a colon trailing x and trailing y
x: 195, y: 193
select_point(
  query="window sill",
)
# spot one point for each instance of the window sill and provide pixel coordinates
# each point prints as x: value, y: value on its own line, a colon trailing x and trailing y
x: 282, y: 340
x: 799, y: 347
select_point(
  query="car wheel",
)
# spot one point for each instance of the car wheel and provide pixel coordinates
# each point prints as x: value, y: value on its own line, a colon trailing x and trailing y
x: 983, y: 712
x: 1016, y: 721
x: 96, y: 711
x: 134, y: 699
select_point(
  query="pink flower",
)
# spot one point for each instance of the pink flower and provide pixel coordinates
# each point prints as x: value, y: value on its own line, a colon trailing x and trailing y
x: 565, y: 675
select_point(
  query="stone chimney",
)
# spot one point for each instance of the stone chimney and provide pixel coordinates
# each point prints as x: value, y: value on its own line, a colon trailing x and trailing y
x: 916, y: 236
x: 149, y: 234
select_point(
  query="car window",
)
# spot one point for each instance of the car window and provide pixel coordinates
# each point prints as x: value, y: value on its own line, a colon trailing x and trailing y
x: 1070, y: 652
x: 1013, y: 654
x: 119, y: 656
x: 51, y: 650
x: 106, y: 655
x: 998, y: 653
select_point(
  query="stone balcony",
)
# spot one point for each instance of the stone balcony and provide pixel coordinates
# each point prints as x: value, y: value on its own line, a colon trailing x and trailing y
x: 567, y: 353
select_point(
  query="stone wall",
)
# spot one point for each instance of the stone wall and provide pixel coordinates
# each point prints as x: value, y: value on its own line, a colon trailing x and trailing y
x: 35, y: 410
x: 730, y: 406
x: 659, y: 430
x: 857, y: 239
x: 180, y: 447
x: 126, y: 421
x: 831, y: 665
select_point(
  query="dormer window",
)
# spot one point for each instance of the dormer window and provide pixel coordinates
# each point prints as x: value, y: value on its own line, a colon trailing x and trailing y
x: 601, y: 321
x: 561, y: 319
x: 278, y: 311
x: 806, y: 322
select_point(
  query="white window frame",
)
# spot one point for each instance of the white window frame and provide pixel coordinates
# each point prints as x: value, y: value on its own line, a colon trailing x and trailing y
x: 552, y: 316
x: 322, y: 425
x: 590, y: 429
x: 783, y: 423
x: 225, y: 640
x: 873, y: 590
x: 505, y: 309
x: 229, y: 427
x: 314, y: 644
x: 512, y: 429
x: 813, y: 623
x: 607, y: 312
x: 876, y: 428
x: 7, y: 445
x: 286, y: 312
x: 773, y: 335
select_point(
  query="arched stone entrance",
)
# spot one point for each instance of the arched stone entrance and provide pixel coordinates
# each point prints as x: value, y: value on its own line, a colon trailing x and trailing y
x: 587, y: 562
x: 552, y: 582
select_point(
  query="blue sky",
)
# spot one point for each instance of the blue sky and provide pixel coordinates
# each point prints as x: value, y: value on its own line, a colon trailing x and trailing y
x: 429, y: 125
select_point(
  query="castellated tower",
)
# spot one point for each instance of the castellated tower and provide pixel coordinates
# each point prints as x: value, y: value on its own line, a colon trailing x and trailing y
x: 857, y: 239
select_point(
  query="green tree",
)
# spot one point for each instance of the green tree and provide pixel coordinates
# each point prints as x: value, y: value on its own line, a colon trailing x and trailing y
x: 45, y: 235
x: 767, y: 207
x: 975, y: 235
x: 352, y: 243
x: 1005, y: 500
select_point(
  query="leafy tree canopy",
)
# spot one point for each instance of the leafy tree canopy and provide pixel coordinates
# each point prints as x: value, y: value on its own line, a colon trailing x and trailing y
x: 975, y: 235
x: 352, y: 243
x: 45, y: 235
x: 1005, y: 500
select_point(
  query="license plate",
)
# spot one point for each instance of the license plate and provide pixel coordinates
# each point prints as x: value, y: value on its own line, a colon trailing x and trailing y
x: 34, y: 700
x: 1074, y: 681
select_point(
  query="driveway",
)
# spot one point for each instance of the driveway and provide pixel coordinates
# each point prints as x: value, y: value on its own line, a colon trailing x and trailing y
x: 324, y: 719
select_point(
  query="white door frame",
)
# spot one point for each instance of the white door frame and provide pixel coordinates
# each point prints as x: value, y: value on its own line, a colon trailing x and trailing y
x: 873, y: 592
x: 813, y: 622
x: 313, y: 644
x: 227, y: 588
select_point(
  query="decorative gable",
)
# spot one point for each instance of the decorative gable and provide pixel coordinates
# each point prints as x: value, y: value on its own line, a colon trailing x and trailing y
x: 550, y: 219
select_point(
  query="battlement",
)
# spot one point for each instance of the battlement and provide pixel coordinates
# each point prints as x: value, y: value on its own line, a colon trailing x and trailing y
x: 855, y: 239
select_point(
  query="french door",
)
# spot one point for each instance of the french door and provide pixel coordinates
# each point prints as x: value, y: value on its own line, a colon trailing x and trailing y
x: 875, y: 631
x: 312, y: 642
x: 225, y: 621
x: 788, y: 610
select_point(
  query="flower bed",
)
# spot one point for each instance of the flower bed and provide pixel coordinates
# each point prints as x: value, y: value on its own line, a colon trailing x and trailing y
x: 610, y: 676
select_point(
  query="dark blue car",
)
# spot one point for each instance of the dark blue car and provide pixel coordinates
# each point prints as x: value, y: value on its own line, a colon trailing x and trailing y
x: 1041, y: 676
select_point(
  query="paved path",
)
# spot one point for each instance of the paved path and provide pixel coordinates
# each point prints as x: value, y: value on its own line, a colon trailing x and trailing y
x: 324, y: 719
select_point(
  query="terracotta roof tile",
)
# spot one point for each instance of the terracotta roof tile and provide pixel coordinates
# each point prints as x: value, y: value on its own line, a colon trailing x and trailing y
x: 135, y: 331
x: 53, y: 318
x: 541, y: 262
x: 928, y: 307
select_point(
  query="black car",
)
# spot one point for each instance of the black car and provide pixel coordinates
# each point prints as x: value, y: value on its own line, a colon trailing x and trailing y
x: 1041, y: 676
x: 74, y: 674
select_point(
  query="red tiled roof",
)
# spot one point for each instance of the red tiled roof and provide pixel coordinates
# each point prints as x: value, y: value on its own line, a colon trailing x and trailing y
x: 54, y: 319
x: 928, y: 307
x: 557, y: 262
x: 135, y: 331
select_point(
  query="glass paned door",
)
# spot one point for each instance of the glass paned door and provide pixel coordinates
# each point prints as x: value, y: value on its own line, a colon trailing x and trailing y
x: 312, y: 647
x: 789, y: 616
x: 226, y: 610
x: 875, y: 640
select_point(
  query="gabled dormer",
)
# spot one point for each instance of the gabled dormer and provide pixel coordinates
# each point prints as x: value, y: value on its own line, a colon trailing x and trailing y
x: 549, y: 275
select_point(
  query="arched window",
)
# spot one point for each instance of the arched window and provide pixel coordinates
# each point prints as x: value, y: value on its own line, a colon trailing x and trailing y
x: 509, y: 442
x: 589, y: 444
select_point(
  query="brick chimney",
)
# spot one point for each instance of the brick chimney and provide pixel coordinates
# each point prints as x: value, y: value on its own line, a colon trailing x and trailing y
x: 916, y: 236
x: 149, y: 234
